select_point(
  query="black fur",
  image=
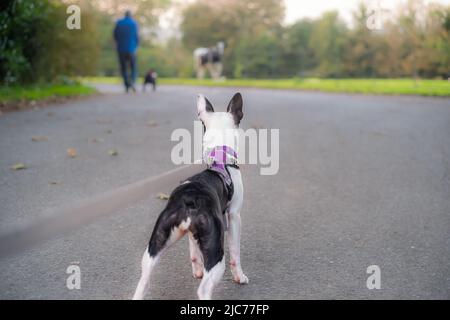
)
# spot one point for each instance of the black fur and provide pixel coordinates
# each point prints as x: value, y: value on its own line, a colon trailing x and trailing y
x: 204, y: 201
x: 209, y: 107
x: 235, y: 108
x: 213, y: 56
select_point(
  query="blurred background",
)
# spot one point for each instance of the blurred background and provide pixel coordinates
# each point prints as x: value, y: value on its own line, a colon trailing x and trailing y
x: 263, y: 38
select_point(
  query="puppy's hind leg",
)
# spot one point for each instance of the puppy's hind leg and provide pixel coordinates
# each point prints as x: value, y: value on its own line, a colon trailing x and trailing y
x: 211, y: 242
x: 210, y: 279
x: 147, y: 265
x: 166, y: 232
x: 196, y: 257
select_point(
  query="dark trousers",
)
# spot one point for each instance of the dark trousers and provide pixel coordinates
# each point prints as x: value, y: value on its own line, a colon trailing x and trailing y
x: 127, y: 61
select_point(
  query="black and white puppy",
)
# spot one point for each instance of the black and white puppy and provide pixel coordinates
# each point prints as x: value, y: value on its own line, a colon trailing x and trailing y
x: 198, y: 206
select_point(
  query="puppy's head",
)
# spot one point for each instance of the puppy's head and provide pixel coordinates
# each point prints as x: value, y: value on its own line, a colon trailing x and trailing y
x: 220, y: 127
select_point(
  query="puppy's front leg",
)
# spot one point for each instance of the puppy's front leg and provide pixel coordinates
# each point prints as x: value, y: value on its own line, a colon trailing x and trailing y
x: 234, y: 244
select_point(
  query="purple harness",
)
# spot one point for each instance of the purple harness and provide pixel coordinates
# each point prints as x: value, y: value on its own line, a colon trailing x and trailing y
x: 217, y: 160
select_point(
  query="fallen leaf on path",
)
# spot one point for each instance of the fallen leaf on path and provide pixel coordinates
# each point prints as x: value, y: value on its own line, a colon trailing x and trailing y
x: 39, y: 138
x: 54, y: 182
x: 18, y: 166
x: 97, y: 140
x: 152, y: 124
x: 104, y: 121
x: 50, y: 114
x: 256, y: 126
x: 162, y: 196
x: 113, y: 152
x: 109, y: 131
x: 71, y: 152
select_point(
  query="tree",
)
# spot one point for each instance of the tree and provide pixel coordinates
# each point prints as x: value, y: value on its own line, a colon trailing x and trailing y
x: 258, y: 58
x: 64, y: 52
x: 18, y: 45
x: 204, y: 23
x: 437, y: 41
x: 36, y: 45
x: 328, y: 41
x: 146, y: 12
x: 360, y: 46
x: 298, y: 56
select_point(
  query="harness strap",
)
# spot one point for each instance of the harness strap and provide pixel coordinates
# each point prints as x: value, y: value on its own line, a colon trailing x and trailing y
x: 218, y: 160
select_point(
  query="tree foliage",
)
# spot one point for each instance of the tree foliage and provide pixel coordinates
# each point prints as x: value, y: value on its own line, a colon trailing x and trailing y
x: 35, y: 44
x: 413, y: 42
x: 242, y: 25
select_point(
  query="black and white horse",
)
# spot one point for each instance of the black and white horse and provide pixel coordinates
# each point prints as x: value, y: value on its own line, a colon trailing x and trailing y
x: 209, y: 59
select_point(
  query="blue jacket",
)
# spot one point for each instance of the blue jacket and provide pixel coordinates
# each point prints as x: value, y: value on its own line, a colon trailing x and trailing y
x: 126, y: 35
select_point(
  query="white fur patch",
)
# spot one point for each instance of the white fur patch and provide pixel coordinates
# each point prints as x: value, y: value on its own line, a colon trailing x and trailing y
x: 220, y: 131
x: 185, y: 224
x: 178, y: 232
x: 147, y: 265
x: 210, y: 279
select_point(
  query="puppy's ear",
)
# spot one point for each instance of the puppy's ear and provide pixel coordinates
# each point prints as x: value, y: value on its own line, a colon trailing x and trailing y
x: 203, y: 105
x: 235, y: 108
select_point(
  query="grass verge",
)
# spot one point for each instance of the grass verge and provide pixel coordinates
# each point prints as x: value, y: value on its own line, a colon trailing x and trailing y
x: 42, y: 92
x: 364, y: 86
x: 15, y: 98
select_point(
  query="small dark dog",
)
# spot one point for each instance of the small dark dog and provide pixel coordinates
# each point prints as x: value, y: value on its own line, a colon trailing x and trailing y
x: 202, y: 205
x: 150, y: 78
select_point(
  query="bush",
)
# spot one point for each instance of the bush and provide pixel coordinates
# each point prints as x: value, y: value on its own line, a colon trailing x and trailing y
x: 35, y: 44
x: 18, y: 32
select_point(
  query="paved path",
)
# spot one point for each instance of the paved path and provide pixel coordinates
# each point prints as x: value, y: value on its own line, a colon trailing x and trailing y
x: 363, y: 180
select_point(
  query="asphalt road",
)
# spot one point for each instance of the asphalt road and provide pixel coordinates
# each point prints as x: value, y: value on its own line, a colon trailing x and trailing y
x: 363, y: 180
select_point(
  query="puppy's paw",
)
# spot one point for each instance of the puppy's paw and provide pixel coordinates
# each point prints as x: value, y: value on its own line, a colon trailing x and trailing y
x: 241, y: 279
x: 197, y: 274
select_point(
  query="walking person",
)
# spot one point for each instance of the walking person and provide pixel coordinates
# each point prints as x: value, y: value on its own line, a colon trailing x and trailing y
x: 127, y: 41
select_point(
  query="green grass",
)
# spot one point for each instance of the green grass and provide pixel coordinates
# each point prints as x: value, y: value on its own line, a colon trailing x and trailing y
x: 105, y: 80
x: 365, y: 86
x: 42, y: 92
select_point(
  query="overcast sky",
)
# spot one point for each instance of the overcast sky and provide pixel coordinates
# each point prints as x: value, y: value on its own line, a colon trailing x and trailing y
x: 296, y: 9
